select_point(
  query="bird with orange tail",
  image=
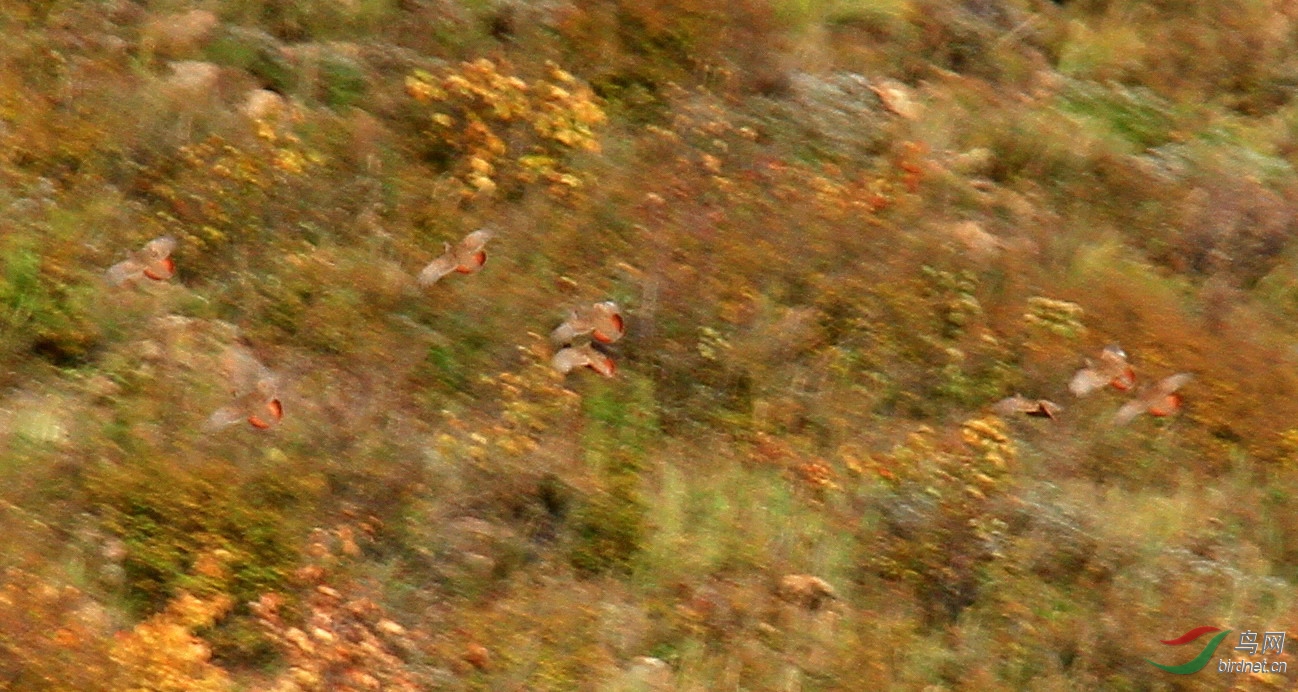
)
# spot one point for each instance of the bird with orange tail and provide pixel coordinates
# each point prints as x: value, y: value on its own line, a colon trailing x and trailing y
x: 1161, y: 399
x: 153, y: 261
x: 570, y: 358
x: 602, y: 321
x: 465, y: 257
x: 255, y: 389
x: 1111, y: 370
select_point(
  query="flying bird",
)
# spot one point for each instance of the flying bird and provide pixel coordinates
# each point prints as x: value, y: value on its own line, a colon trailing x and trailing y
x: 1111, y: 370
x: 465, y: 257
x: 572, y: 357
x: 256, y: 393
x: 1018, y: 404
x: 152, y: 261
x: 896, y: 98
x: 1159, y: 400
x: 603, y: 321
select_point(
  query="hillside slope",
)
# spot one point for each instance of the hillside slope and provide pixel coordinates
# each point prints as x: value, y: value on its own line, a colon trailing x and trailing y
x: 839, y: 231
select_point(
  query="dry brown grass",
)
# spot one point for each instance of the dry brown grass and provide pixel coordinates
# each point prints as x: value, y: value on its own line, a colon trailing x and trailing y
x: 823, y: 294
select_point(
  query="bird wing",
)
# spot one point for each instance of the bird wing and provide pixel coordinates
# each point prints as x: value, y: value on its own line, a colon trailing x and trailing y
x: 1009, y: 406
x: 562, y: 334
x: 122, y: 272
x: 565, y: 360
x: 1087, y: 380
x: 574, y: 326
x: 245, y: 373
x: 474, y: 241
x: 437, y: 269
x: 225, y: 417
x: 1170, y: 384
x: 1130, y: 410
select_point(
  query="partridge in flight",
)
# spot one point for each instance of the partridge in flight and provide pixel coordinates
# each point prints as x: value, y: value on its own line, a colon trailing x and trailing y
x: 1111, y: 370
x: 465, y: 257
x: 152, y: 261
x: 572, y: 357
x: 256, y: 393
x: 603, y: 321
x: 1159, y: 400
x: 1018, y: 404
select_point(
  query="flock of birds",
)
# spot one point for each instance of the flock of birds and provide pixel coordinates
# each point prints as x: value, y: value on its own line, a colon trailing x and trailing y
x: 1110, y: 370
x: 255, y: 388
x: 579, y: 339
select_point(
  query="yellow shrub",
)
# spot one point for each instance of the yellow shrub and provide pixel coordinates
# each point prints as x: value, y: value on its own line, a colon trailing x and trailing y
x: 493, y: 128
x: 162, y: 654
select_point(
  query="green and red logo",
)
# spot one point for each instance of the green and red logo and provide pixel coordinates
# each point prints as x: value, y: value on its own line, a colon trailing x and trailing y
x: 1197, y: 663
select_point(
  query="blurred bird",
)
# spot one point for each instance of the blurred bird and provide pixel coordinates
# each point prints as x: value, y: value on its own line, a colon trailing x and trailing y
x: 1036, y: 408
x: 1159, y: 400
x: 256, y: 392
x: 896, y: 98
x: 806, y: 590
x: 569, y: 358
x: 152, y: 261
x: 1112, y: 370
x: 465, y: 257
x: 603, y: 321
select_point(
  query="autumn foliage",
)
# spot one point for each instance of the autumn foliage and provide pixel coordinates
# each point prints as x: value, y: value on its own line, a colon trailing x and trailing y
x: 839, y: 233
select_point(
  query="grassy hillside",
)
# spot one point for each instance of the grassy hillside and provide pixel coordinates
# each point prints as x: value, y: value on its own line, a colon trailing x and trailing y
x: 839, y: 230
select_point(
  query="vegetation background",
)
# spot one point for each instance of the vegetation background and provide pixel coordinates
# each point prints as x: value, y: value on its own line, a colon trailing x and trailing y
x: 840, y: 229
